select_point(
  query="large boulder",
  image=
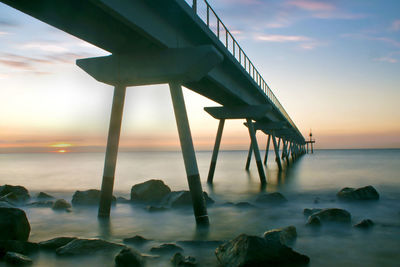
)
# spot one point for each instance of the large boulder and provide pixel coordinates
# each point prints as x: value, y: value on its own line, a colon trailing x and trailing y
x: 13, y: 224
x: 87, y: 246
x: 287, y: 235
x: 166, y: 248
x: 55, y: 243
x: 14, y: 193
x: 17, y: 259
x: 354, y: 194
x: 331, y: 215
x: 128, y: 257
x: 179, y: 260
x: 22, y: 247
x: 136, y: 240
x: 246, y: 250
x: 88, y: 198
x: 183, y: 198
x: 365, y: 224
x: 61, y: 204
x: 150, y: 191
x: 271, y: 198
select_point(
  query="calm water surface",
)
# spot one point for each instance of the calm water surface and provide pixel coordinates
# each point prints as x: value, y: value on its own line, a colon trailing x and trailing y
x: 319, y: 175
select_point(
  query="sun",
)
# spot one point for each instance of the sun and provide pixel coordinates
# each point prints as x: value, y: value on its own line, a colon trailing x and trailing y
x: 62, y: 151
x: 61, y: 145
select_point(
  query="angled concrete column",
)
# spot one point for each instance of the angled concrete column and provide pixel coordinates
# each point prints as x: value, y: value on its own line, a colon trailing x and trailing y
x: 112, y: 151
x: 215, y: 151
x: 279, y: 143
x: 249, y: 157
x: 189, y: 156
x: 283, y: 149
x: 254, y: 144
x: 276, y: 148
x: 289, y: 144
x: 266, y: 150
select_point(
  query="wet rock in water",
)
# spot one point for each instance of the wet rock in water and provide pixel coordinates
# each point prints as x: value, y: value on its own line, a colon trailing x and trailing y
x: 272, y: 198
x: 287, y: 235
x: 246, y: 250
x: 150, y: 191
x: 313, y: 221
x: 179, y: 260
x: 353, y: 194
x: 17, y: 259
x: 155, y: 208
x: 365, y: 224
x: 332, y: 215
x: 183, y: 198
x: 244, y: 205
x: 129, y: 257
x: 87, y: 246
x: 61, y: 204
x: 22, y: 247
x: 88, y: 198
x: 55, y: 243
x: 41, y: 204
x: 43, y: 196
x: 13, y: 224
x: 5, y: 204
x: 308, y: 212
x: 166, y: 248
x: 136, y: 240
x: 15, y: 193
x: 123, y: 200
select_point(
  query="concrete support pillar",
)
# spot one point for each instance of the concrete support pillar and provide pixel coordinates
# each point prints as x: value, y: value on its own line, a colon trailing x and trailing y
x: 189, y: 156
x: 254, y: 144
x: 276, y: 149
x: 283, y: 149
x: 289, y: 145
x: 267, y: 150
x: 110, y: 162
x: 215, y: 151
x: 249, y: 157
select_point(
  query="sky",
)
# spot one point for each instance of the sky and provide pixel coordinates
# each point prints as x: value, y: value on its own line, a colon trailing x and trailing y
x: 334, y: 66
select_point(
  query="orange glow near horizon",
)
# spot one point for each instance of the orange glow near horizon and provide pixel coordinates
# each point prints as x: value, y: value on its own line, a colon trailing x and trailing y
x: 61, y: 145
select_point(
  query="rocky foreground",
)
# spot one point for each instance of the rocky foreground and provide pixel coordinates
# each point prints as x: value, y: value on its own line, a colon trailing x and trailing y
x: 273, y: 248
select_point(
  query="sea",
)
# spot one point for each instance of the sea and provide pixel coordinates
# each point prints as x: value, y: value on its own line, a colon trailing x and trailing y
x: 312, y: 181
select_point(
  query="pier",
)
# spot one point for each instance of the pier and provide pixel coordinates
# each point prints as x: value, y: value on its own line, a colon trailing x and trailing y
x: 180, y: 43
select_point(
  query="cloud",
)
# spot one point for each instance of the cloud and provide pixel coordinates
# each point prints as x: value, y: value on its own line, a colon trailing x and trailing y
x: 3, y: 33
x: 281, y: 38
x: 44, y: 46
x: 386, y: 59
x: 395, y: 25
x: 312, y: 5
x: 383, y: 39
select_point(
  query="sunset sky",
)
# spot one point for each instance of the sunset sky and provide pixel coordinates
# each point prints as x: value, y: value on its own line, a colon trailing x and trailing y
x: 334, y: 65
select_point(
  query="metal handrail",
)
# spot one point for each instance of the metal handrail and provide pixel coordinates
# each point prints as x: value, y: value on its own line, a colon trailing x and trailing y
x: 236, y: 51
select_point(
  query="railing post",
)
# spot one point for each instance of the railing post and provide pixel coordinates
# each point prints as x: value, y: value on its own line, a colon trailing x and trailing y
x: 194, y: 6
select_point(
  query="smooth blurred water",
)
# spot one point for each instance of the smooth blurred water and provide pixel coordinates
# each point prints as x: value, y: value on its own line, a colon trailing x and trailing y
x: 319, y: 175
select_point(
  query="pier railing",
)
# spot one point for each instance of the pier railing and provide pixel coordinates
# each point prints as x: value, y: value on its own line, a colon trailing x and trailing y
x: 203, y: 9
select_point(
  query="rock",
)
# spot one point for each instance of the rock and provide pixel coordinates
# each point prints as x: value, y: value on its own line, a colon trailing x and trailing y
x: 149, y: 191
x: 55, y: 243
x: 363, y: 193
x: 246, y: 250
x: 41, y: 204
x: 17, y: 259
x: 308, y: 212
x: 88, y: 198
x: 332, y: 215
x: 287, y: 235
x: 15, y: 193
x: 22, y: 247
x: 86, y: 246
x: 123, y: 200
x: 166, y: 248
x: 128, y: 257
x: 43, y: 195
x: 272, y: 198
x: 13, y: 224
x: 183, y: 198
x: 313, y: 221
x: 136, y: 240
x: 365, y: 224
x: 155, y: 209
x: 179, y: 260
x: 61, y: 204
x: 244, y: 205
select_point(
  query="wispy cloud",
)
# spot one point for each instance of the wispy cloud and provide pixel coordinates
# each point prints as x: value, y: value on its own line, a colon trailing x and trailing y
x: 44, y: 46
x: 312, y: 5
x: 3, y: 33
x: 386, y: 59
x: 395, y: 25
x: 281, y: 38
x: 383, y: 39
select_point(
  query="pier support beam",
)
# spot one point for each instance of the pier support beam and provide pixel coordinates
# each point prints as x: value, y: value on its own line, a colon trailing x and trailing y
x: 215, y: 151
x: 111, y: 152
x: 254, y: 145
x: 249, y: 157
x: 266, y: 150
x: 189, y: 156
x: 276, y: 149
